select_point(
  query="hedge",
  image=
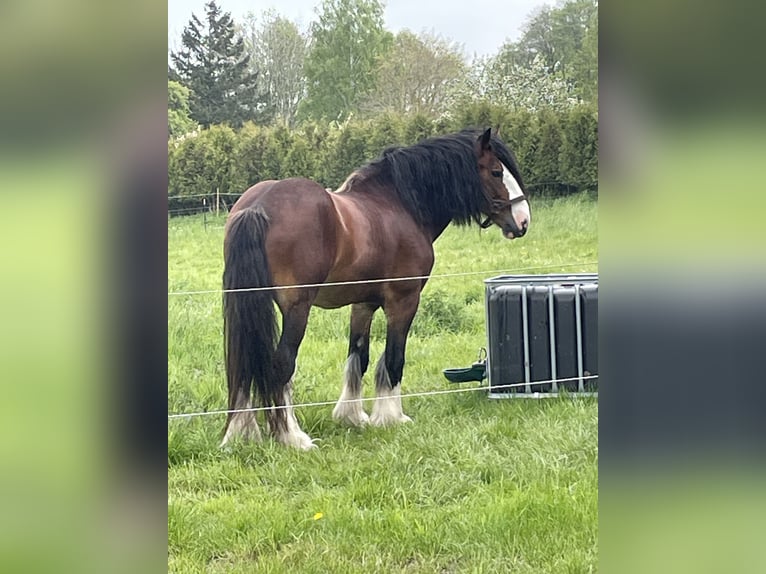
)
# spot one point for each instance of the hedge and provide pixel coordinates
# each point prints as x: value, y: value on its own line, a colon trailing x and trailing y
x: 557, y: 151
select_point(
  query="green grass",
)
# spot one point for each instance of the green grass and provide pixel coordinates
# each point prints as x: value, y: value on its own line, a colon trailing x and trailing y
x: 472, y: 485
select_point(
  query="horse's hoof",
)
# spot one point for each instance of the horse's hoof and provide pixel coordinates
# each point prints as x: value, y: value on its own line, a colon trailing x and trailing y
x: 354, y: 419
x: 384, y: 421
x: 230, y: 439
x: 305, y: 444
x: 299, y: 440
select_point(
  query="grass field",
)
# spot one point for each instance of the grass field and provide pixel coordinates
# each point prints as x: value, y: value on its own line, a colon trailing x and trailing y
x: 472, y: 485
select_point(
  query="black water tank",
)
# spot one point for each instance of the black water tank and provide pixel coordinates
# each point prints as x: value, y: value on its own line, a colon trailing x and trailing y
x: 542, y: 327
x: 505, y: 331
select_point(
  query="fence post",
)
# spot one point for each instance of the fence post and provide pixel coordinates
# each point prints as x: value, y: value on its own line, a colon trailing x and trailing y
x: 204, y: 212
x: 217, y: 199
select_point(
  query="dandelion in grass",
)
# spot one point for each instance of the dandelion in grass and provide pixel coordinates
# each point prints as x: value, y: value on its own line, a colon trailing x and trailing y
x: 318, y: 516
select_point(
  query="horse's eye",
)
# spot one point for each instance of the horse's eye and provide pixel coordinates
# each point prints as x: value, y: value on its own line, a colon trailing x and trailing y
x: 497, y: 173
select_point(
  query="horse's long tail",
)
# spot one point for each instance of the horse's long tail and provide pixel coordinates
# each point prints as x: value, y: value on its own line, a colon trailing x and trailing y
x: 249, y: 319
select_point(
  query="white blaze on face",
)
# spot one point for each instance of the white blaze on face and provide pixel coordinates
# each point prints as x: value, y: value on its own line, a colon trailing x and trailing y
x: 519, y: 210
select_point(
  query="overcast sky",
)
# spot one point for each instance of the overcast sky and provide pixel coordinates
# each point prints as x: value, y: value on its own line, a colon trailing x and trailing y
x: 481, y: 26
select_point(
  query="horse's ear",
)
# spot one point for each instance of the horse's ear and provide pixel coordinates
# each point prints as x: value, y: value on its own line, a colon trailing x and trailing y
x: 484, y: 140
x: 497, y: 131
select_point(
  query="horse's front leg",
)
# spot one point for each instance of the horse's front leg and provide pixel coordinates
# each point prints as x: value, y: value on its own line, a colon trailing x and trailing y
x: 349, y: 408
x: 387, y: 408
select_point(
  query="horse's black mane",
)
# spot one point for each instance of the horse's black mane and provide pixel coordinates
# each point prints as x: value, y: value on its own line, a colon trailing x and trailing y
x: 437, y: 180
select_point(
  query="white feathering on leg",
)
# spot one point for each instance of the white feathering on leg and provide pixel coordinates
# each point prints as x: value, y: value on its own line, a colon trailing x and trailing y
x: 351, y: 413
x: 387, y: 409
x: 291, y: 435
x: 242, y: 425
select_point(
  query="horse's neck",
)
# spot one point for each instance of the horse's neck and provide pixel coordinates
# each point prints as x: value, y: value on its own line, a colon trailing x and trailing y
x: 435, y: 230
x: 353, y: 187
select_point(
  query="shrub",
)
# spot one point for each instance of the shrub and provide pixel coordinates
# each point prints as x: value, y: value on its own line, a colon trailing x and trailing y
x: 550, y: 146
x: 439, y: 312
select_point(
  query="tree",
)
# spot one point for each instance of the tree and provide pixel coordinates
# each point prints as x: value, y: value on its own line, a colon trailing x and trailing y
x: 547, y: 139
x: 387, y: 130
x: 586, y: 61
x: 579, y: 149
x: 347, y: 43
x: 278, y: 50
x: 566, y: 39
x: 563, y: 42
x: 179, y: 122
x: 553, y: 66
x: 537, y: 40
x: 570, y: 26
x: 215, y: 66
x: 530, y: 88
x: 202, y: 163
x: 417, y: 74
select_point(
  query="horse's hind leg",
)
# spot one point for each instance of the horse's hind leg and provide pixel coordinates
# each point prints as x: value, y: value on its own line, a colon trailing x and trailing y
x: 388, y: 373
x: 243, y: 425
x: 284, y: 425
x: 349, y: 408
x: 282, y: 421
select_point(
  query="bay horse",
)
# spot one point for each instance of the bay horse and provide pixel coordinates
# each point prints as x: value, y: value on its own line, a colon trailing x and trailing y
x: 380, y: 224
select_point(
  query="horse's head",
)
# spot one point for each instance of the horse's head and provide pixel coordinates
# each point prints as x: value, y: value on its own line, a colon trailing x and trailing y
x: 507, y: 204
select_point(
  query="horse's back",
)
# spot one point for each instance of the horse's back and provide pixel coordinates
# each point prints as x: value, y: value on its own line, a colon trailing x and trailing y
x: 302, y: 238
x: 258, y: 192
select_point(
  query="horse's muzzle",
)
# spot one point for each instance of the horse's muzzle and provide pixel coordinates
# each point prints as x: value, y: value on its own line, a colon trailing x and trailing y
x: 512, y: 232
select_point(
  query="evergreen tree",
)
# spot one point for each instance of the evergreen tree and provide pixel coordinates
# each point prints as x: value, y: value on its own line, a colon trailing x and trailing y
x: 549, y: 136
x: 579, y: 149
x: 216, y: 67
